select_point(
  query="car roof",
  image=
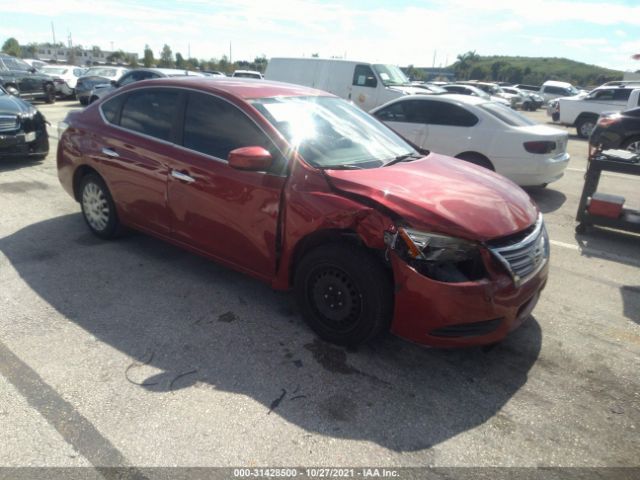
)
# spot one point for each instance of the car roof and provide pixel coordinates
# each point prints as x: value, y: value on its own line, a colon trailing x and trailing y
x: 245, y: 88
x: 449, y: 98
x: 167, y: 71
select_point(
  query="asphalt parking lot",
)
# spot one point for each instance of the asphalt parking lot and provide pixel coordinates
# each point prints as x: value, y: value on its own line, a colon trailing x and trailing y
x: 134, y: 352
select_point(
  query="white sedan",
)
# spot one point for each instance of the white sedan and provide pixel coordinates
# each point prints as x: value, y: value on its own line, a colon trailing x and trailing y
x: 481, y: 132
x: 68, y: 73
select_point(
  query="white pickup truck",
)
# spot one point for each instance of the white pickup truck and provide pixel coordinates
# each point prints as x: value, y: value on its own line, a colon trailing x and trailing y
x: 582, y: 111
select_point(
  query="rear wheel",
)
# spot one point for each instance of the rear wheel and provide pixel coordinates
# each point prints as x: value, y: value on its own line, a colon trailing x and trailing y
x: 585, y: 126
x: 344, y: 293
x: 83, y: 101
x: 476, y: 159
x: 632, y: 144
x: 93, y: 99
x: 50, y: 93
x: 98, y: 208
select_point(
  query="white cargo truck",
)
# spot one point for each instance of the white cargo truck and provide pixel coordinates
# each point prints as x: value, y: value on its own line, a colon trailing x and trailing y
x: 366, y: 84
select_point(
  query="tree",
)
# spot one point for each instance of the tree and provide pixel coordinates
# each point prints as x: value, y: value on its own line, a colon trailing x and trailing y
x: 193, y: 63
x: 479, y: 72
x: 11, y: 47
x: 315, y: 55
x: 223, y: 64
x: 148, y: 59
x: 29, y: 51
x: 464, y: 63
x: 166, y: 57
x: 497, y: 68
x: 180, y: 61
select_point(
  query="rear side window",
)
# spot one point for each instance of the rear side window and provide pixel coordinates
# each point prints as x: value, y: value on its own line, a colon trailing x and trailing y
x: 443, y: 113
x: 555, y: 90
x: 622, y: 94
x: 111, y: 109
x: 150, y: 112
x: 363, y: 76
x: 215, y: 127
x: 506, y: 114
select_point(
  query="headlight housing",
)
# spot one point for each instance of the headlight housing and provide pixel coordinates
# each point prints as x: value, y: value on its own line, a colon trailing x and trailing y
x: 437, y: 256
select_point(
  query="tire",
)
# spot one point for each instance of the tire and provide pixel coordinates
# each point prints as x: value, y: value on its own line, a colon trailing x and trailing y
x: 585, y: 125
x: 98, y: 208
x: 345, y: 294
x: 84, y: 101
x: 526, y: 106
x: 476, y: 159
x: 11, y: 90
x: 50, y: 93
x: 632, y: 144
x: 92, y: 99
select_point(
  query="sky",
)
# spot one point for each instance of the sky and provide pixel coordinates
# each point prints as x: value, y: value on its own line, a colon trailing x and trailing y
x: 418, y: 32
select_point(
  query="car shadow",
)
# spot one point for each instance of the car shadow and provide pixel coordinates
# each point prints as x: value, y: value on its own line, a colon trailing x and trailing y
x: 204, y: 326
x: 18, y: 163
x: 547, y: 199
x: 614, y: 245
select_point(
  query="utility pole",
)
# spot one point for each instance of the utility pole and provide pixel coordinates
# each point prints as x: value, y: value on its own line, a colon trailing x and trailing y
x: 230, y: 57
x: 434, y: 59
x: 53, y: 32
x: 188, y: 50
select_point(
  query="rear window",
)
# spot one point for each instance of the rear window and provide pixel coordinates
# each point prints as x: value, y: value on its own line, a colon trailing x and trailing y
x: 506, y: 114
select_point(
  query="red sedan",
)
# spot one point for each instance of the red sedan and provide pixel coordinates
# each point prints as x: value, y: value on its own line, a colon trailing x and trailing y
x: 303, y: 190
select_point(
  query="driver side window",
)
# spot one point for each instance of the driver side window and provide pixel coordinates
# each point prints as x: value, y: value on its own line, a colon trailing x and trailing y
x: 363, y: 76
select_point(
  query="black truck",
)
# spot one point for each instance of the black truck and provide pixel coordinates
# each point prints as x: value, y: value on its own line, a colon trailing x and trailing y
x: 20, y: 79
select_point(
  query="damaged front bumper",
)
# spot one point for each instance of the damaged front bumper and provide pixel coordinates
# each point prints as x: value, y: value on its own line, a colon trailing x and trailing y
x: 443, y: 314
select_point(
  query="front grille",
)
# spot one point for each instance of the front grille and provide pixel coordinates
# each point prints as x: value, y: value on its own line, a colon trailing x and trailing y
x: 523, y: 255
x: 8, y: 123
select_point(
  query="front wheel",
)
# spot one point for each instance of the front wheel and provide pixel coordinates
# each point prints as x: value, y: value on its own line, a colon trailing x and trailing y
x: 98, y: 208
x: 345, y: 294
x: 632, y: 144
x: 585, y: 126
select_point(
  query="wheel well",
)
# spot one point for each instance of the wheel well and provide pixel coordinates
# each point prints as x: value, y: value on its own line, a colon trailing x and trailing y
x: 322, y: 237
x: 79, y: 174
x: 584, y: 116
x: 476, y: 156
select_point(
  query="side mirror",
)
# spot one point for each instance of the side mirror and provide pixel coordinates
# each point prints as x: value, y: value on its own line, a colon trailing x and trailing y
x: 254, y: 159
x: 114, y: 83
x: 32, y: 70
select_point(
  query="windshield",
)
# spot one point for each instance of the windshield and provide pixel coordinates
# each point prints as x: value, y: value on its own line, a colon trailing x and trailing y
x: 390, y: 74
x: 101, y: 72
x: 329, y: 132
x: 55, y: 70
x: 506, y: 114
x: 573, y: 90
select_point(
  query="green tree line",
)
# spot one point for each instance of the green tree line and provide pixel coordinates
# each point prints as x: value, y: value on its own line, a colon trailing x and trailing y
x: 166, y: 57
x: 530, y: 70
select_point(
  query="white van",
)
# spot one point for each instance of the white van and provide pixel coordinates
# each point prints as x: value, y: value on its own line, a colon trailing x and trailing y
x: 552, y: 89
x: 366, y: 84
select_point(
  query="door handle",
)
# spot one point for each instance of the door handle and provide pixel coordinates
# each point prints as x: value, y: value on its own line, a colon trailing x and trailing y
x: 182, y: 176
x: 109, y: 152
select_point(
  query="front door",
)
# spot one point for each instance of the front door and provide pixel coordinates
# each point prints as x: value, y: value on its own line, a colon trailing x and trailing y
x: 227, y: 213
x: 364, y: 88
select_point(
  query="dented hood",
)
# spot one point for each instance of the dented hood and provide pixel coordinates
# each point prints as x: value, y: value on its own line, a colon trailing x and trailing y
x: 445, y: 195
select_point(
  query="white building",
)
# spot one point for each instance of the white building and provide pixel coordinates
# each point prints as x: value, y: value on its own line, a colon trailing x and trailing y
x: 83, y: 56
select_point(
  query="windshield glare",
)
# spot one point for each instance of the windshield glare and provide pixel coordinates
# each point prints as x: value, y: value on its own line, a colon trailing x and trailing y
x: 390, y: 74
x: 329, y: 132
x: 506, y: 114
x: 55, y: 70
x: 101, y: 72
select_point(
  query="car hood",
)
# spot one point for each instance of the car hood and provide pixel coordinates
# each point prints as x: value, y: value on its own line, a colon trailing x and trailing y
x: 443, y: 194
x: 10, y: 105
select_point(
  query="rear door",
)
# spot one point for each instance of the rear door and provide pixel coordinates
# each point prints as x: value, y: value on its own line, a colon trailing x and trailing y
x: 229, y: 214
x: 135, y: 151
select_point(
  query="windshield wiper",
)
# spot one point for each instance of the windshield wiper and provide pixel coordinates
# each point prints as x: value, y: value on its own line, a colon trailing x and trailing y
x: 346, y: 166
x: 403, y: 158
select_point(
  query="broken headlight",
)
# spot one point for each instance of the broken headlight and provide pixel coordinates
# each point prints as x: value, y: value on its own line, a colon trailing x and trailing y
x: 443, y: 258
